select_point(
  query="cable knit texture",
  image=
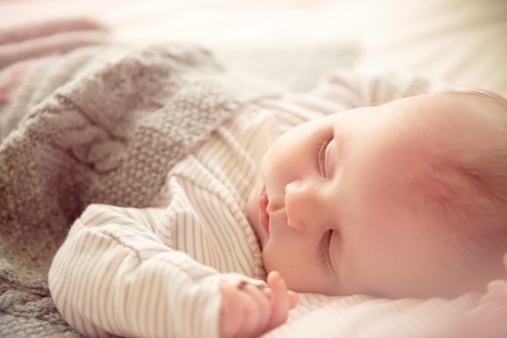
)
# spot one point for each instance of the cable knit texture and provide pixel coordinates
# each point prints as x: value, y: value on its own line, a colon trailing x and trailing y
x: 77, y: 130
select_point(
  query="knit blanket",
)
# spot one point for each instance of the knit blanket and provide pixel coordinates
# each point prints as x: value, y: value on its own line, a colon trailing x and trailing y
x: 84, y: 121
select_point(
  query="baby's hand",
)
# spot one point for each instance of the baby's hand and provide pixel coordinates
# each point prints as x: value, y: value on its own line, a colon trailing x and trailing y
x: 248, y: 311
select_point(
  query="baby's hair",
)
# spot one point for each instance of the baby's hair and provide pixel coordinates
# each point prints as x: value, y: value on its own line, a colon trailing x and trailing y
x: 485, y: 172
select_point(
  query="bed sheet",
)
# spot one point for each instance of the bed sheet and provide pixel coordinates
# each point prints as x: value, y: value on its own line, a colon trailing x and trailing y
x: 369, y: 317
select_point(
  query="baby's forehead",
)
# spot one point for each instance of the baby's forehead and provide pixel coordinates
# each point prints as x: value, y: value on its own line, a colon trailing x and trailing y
x: 449, y: 121
x: 435, y: 132
x: 459, y: 109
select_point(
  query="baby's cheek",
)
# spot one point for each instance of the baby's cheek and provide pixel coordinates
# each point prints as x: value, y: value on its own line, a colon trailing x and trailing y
x: 371, y: 260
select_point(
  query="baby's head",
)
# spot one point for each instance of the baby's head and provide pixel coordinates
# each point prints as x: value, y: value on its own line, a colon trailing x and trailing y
x: 406, y: 199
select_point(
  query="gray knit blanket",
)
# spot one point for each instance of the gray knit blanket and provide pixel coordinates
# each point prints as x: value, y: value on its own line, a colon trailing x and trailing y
x: 83, y: 121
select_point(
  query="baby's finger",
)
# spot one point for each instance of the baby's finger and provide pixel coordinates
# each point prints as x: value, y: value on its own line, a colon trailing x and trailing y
x: 279, y: 300
x: 263, y: 311
x: 293, y: 297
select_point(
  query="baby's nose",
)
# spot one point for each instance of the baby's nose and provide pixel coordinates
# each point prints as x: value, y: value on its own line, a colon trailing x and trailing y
x: 302, y: 205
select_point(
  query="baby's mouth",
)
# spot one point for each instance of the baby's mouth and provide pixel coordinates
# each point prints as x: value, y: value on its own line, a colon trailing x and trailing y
x: 263, y: 214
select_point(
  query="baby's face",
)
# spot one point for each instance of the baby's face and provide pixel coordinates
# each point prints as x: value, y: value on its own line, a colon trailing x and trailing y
x: 342, y: 215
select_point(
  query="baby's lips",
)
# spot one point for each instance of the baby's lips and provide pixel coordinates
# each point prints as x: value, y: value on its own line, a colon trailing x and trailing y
x: 263, y: 204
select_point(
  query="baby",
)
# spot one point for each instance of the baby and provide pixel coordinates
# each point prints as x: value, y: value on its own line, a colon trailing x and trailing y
x: 406, y: 199
x: 403, y: 199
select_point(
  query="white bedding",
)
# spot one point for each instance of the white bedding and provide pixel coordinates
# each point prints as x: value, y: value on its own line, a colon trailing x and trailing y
x: 364, y: 316
x: 293, y: 41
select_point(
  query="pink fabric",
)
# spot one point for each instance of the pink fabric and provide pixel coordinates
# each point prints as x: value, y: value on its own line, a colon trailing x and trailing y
x: 34, y: 40
x: 41, y: 29
x: 12, y: 81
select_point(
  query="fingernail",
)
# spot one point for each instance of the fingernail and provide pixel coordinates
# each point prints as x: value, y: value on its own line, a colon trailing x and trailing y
x: 273, y: 275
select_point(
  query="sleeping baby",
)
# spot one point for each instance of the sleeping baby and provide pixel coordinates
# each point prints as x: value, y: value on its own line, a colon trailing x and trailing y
x: 359, y: 187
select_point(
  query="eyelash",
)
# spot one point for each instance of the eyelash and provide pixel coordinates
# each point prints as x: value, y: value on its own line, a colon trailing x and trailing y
x: 321, y: 153
x: 324, y: 250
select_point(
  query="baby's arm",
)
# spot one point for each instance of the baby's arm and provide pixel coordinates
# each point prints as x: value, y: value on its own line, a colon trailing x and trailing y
x: 358, y: 88
x: 114, y: 275
x: 343, y: 89
x: 248, y: 311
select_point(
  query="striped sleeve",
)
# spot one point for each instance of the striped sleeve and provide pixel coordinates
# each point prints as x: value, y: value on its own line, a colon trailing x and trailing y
x: 114, y: 276
x: 342, y: 89
x: 359, y: 89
